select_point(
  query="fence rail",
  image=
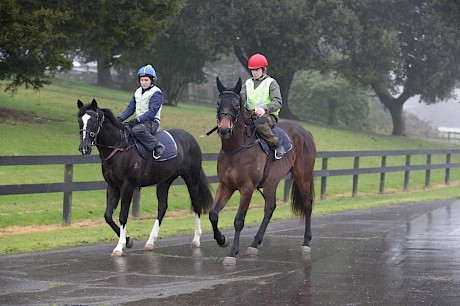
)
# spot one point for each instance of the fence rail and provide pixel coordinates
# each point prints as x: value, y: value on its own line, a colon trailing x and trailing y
x: 69, y: 186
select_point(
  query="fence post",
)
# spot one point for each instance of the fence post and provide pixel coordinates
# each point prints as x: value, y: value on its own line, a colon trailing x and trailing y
x: 382, y: 174
x: 287, y: 185
x: 136, y: 206
x: 324, y: 179
x: 447, y: 176
x: 428, y: 172
x: 406, y: 174
x: 67, y: 202
x: 355, y: 177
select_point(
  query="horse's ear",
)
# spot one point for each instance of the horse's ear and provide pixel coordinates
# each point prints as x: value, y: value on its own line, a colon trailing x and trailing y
x: 94, y: 104
x: 220, y: 87
x: 238, y: 86
x: 79, y: 104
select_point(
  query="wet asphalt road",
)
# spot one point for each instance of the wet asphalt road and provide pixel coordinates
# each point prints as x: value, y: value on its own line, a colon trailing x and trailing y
x: 402, y: 255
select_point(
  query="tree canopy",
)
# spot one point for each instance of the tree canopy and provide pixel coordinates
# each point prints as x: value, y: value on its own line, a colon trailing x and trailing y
x: 105, y: 29
x: 405, y: 48
x: 330, y: 100
x: 31, y: 42
x: 286, y: 32
x: 178, y: 55
x: 398, y: 48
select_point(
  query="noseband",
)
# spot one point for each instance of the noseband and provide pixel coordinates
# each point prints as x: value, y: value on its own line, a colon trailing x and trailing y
x: 99, y: 125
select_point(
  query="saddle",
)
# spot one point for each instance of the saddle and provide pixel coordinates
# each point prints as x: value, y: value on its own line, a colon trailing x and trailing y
x: 284, y: 139
x: 166, y: 139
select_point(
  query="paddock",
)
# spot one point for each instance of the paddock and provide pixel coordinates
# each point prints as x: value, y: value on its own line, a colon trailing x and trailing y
x: 402, y: 255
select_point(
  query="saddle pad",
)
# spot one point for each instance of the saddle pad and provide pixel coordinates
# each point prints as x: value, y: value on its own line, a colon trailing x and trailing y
x: 283, y: 138
x: 165, y: 138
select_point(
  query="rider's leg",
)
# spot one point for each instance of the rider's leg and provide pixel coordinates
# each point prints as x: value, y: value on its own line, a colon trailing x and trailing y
x: 143, y: 132
x: 264, y: 126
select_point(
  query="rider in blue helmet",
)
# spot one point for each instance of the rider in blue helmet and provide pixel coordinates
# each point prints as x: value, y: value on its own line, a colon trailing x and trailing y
x: 146, y: 103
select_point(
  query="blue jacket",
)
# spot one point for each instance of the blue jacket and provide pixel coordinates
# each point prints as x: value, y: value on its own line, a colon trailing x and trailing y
x: 155, y: 103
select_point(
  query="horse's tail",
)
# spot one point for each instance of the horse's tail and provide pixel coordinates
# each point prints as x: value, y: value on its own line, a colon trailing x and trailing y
x: 204, y: 192
x: 300, y: 204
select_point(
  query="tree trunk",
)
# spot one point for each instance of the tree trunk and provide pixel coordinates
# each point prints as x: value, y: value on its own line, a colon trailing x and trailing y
x: 285, y: 84
x: 103, y: 72
x: 395, y: 106
x: 332, y: 108
x: 397, y: 116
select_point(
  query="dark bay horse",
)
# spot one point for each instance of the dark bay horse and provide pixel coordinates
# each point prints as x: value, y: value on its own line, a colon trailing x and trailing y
x: 242, y: 165
x: 124, y: 169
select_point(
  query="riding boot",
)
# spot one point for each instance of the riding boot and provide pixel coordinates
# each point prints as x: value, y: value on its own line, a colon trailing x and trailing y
x: 279, y: 151
x: 158, y: 150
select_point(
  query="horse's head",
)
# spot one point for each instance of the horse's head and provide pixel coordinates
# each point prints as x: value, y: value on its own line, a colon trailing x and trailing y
x: 228, y: 107
x: 90, y: 119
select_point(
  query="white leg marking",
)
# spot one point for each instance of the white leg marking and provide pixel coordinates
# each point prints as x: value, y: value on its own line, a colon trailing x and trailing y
x: 153, y: 236
x: 118, y: 251
x: 196, y: 240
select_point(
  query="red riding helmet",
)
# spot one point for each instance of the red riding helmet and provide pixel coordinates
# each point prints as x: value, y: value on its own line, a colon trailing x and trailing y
x: 257, y: 61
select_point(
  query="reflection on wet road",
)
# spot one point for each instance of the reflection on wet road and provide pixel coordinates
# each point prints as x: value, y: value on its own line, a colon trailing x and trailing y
x: 402, y: 255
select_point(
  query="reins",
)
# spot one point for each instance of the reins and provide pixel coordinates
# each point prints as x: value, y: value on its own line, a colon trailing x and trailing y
x: 123, y: 146
x: 124, y: 139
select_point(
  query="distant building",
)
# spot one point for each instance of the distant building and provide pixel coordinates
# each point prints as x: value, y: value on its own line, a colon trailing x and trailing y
x: 451, y: 134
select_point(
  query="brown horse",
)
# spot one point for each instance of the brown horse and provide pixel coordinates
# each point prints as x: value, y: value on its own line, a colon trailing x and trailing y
x: 244, y: 166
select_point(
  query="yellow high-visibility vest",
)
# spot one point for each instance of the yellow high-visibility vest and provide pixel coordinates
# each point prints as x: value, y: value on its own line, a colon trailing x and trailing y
x: 260, y: 96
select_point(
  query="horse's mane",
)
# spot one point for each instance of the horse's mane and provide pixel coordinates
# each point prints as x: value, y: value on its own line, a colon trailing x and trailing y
x: 111, y: 117
x: 108, y: 114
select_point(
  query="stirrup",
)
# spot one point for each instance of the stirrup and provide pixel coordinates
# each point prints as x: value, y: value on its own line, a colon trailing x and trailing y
x: 279, y: 152
x: 158, y: 151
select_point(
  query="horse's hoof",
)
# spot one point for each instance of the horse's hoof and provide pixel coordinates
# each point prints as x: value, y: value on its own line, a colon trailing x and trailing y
x: 305, y: 250
x: 117, y: 253
x: 252, y: 251
x: 196, y: 244
x: 148, y: 247
x: 130, y: 243
x: 225, y: 244
x: 229, y: 261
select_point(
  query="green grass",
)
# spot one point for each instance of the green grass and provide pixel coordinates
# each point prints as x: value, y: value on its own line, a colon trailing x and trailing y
x: 45, y: 123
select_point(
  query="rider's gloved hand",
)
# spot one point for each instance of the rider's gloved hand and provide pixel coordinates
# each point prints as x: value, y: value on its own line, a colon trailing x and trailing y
x: 133, y: 122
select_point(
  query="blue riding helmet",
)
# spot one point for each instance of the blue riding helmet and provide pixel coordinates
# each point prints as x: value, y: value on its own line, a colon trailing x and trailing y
x: 147, y: 71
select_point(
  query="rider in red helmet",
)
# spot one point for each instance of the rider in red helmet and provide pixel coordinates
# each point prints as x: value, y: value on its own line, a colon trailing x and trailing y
x: 263, y: 102
x: 146, y: 103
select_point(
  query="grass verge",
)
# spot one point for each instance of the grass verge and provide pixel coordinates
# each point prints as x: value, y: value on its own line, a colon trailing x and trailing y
x: 14, y: 240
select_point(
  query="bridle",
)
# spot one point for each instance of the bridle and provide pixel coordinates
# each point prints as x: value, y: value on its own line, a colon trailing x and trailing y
x: 92, y: 134
x: 124, y: 139
x: 230, y: 110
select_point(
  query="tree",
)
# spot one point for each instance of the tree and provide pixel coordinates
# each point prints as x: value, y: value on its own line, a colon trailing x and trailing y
x: 405, y: 48
x: 286, y: 32
x: 106, y: 30
x: 330, y: 100
x: 178, y: 55
x: 180, y: 62
x: 32, y: 44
